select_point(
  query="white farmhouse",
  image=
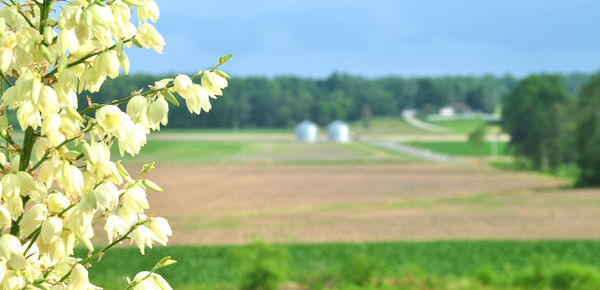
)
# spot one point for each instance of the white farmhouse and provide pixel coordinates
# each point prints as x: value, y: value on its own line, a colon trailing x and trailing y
x: 447, y: 111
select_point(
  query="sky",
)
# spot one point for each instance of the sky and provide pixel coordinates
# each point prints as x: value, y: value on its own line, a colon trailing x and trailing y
x: 373, y: 38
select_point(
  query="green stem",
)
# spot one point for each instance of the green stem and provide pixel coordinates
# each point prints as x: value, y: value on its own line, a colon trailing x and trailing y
x: 27, y: 149
x: 94, y: 256
x: 46, y: 7
x: 83, y: 59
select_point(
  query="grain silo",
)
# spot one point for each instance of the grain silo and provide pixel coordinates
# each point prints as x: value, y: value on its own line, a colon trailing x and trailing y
x: 306, y: 131
x: 338, y: 131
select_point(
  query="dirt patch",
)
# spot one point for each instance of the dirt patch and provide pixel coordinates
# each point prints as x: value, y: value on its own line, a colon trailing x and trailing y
x: 304, y: 203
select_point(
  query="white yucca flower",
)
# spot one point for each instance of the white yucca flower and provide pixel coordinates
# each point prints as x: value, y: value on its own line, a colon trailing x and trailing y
x: 60, y: 180
x: 147, y: 280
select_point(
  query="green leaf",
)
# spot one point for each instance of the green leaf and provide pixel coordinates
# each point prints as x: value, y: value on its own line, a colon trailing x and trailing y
x: 223, y: 74
x: 152, y: 185
x: 170, y: 97
x: 166, y: 261
x: 224, y: 59
x: 147, y: 167
x: 137, y: 43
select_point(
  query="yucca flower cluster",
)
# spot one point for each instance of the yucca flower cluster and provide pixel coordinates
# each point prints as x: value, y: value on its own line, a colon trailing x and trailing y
x: 60, y: 181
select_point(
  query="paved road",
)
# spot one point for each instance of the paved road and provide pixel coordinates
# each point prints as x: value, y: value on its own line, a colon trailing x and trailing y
x: 417, y: 152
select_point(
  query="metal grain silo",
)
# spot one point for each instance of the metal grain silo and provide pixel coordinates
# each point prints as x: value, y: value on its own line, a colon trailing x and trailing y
x: 338, y: 131
x: 306, y: 131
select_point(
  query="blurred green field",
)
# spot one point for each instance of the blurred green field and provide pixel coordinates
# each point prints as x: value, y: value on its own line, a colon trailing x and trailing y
x: 383, y: 265
x: 460, y: 126
x: 463, y: 148
x: 268, y: 151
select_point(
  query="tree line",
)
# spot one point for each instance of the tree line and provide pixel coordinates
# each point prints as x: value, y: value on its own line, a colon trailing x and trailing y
x: 285, y: 100
x: 551, y: 126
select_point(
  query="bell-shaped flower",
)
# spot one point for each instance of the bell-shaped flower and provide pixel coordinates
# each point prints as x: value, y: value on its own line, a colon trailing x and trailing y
x: 161, y: 229
x: 32, y: 219
x: 147, y: 280
x: 137, y: 107
x: 57, y: 202
x: 29, y: 116
x: 213, y: 83
x: 108, y: 64
x: 13, y: 281
x: 198, y: 100
x: 143, y: 237
x: 9, y: 245
x: 115, y: 227
x: 51, y: 229
x: 149, y: 10
x: 133, y: 141
x: 182, y: 85
x: 148, y: 37
x: 70, y: 179
x: 134, y: 199
x: 158, y: 113
x: 5, y: 219
x: 48, y: 101
x: 107, y: 196
x: 49, y: 171
x: 79, y: 279
x: 114, y: 121
x: 15, y: 207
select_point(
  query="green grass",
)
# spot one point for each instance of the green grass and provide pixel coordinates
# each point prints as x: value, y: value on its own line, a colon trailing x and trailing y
x: 207, y: 267
x: 460, y: 126
x: 188, y: 151
x: 236, y: 152
x: 387, y: 126
x: 227, y: 130
x: 462, y: 148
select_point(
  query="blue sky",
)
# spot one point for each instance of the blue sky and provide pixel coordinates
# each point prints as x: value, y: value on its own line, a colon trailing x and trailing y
x: 377, y: 37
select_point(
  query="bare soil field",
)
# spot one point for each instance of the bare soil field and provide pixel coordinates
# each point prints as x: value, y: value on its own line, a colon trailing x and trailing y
x: 232, y: 204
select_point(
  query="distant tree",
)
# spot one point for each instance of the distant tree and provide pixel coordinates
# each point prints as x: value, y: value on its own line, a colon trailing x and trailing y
x: 477, y: 137
x: 532, y: 116
x: 588, y: 132
x: 428, y: 93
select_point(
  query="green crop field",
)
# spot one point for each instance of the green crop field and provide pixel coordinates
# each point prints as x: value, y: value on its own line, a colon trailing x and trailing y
x: 462, y: 148
x: 383, y: 265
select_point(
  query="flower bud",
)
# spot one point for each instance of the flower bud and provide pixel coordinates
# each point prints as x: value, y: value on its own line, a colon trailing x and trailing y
x: 152, y: 185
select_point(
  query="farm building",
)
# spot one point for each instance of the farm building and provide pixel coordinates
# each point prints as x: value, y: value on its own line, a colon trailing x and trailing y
x: 338, y: 131
x: 447, y: 111
x: 306, y: 131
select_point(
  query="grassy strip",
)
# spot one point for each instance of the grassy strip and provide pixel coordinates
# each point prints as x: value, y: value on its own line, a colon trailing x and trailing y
x: 462, y: 148
x: 460, y: 126
x: 272, y: 152
x: 213, y: 266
